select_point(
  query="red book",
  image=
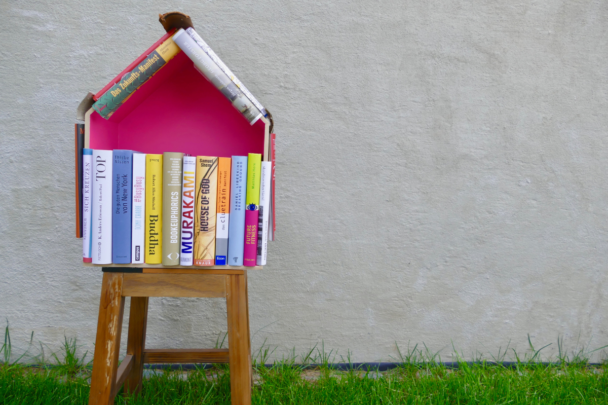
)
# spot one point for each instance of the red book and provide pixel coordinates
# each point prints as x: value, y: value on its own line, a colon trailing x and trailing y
x: 273, y: 138
x: 132, y: 65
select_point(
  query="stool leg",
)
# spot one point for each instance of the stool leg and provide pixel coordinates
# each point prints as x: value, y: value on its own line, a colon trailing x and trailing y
x: 238, y: 340
x: 107, y: 343
x: 136, y: 342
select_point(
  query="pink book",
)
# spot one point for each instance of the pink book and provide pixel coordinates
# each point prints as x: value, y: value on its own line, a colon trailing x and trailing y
x: 250, y: 254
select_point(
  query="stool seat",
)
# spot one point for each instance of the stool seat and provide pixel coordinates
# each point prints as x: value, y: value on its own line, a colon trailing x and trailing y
x: 140, y: 284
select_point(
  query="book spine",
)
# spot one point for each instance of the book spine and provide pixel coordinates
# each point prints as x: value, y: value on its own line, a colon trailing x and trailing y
x: 197, y: 38
x: 122, y: 172
x: 87, y: 166
x: 214, y: 74
x: 112, y: 99
x: 205, y: 205
x: 138, y: 229
x: 78, y: 146
x: 223, y: 211
x: 133, y: 64
x: 154, y: 209
x: 254, y: 163
x: 236, y: 228
x: 187, y: 225
x: 172, y: 207
x: 264, y: 213
x: 102, y: 207
x: 273, y: 229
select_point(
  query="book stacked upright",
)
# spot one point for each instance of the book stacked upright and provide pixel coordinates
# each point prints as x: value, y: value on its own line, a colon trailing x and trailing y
x: 252, y: 212
x: 172, y: 201
x: 205, y: 211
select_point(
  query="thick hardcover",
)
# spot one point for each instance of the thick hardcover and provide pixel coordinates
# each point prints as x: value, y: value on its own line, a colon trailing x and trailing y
x: 252, y: 199
x: 172, y: 207
x: 138, y: 228
x: 236, y: 228
x: 205, y: 205
x: 197, y: 38
x: 187, y: 225
x: 223, y: 211
x: 87, y: 167
x: 264, y: 213
x: 133, y: 64
x: 78, y: 146
x: 121, y: 206
x: 208, y: 68
x: 102, y: 207
x: 154, y: 209
x: 113, y: 98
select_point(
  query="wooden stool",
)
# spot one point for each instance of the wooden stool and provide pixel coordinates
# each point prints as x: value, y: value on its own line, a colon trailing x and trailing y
x: 140, y: 284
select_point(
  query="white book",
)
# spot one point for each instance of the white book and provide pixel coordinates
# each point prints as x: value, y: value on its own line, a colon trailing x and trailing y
x: 188, y: 198
x: 265, y: 182
x: 208, y: 68
x: 197, y: 38
x: 87, y: 165
x: 138, y: 228
x: 102, y: 207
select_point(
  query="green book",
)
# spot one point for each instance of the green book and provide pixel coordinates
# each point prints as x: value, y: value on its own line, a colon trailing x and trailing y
x: 254, y: 168
x: 172, y: 207
x: 112, y: 99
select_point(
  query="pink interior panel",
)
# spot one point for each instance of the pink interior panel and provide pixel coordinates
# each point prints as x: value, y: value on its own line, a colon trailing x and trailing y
x: 178, y: 110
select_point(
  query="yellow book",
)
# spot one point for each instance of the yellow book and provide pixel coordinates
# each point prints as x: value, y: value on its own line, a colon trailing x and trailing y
x: 205, y: 211
x: 154, y: 209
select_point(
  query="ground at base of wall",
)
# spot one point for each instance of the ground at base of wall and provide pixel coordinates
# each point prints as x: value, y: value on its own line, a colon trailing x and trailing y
x: 526, y: 383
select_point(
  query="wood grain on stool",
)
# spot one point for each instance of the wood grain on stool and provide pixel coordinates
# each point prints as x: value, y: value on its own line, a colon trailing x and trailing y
x: 107, y: 343
x: 238, y: 340
x: 138, y: 322
x: 174, y: 285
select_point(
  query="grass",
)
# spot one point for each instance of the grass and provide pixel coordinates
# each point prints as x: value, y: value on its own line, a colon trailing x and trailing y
x: 420, y: 378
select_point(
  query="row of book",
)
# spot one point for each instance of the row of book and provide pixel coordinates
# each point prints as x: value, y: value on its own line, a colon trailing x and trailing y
x: 175, y: 209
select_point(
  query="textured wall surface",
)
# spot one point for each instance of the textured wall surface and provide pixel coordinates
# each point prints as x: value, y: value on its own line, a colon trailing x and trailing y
x: 441, y: 171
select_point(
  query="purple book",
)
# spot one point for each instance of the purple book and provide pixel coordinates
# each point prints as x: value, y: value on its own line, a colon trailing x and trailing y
x: 251, y: 237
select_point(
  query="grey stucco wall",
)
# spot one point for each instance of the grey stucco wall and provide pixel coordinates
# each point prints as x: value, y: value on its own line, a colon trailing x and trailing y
x: 440, y: 170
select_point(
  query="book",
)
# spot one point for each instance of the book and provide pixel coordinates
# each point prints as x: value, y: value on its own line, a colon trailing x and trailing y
x: 236, y: 228
x: 187, y: 225
x: 172, y: 207
x: 154, y: 209
x: 113, y: 98
x: 78, y: 146
x: 138, y: 228
x: 207, y: 67
x: 87, y: 167
x: 205, y: 206
x: 102, y: 207
x: 273, y: 228
x: 133, y: 64
x: 223, y: 210
x: 262, y: 247
x: 252, y: 200
x: 122, y: 172
x: 197, y: 38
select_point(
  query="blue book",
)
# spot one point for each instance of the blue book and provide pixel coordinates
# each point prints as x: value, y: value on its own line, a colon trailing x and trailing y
x: 236, y: 226
x: 121, y: 206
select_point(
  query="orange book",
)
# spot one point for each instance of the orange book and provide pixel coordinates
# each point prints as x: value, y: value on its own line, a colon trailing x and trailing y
x: 205, y: 211
x: 223, y: 211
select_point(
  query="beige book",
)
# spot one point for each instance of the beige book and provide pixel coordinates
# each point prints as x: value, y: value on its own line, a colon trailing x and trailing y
x: 172, y: 207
